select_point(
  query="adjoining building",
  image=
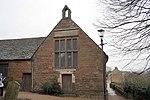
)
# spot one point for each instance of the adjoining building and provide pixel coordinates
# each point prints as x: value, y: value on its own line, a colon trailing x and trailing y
x: 67, y: 53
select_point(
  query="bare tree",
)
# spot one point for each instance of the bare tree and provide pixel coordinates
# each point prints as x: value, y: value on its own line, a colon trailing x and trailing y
x: 129, y: 21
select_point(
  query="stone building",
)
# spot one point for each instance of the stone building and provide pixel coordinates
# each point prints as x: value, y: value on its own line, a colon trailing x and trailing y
x: 116, y: 76
x: 67, y: 53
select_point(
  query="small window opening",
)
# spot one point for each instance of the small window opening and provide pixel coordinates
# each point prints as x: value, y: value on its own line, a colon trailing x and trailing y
x: 66, y: 13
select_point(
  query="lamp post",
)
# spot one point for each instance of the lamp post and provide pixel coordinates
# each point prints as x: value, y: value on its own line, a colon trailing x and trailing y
x: 101, y: 35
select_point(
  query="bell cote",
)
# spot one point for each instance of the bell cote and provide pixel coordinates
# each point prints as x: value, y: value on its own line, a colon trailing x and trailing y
x: 66, y: 12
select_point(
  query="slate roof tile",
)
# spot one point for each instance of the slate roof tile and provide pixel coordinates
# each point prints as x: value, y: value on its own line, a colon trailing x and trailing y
x: 16, y: 49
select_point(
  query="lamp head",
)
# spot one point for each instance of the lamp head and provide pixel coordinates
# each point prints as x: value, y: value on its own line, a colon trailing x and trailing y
x: 101, y: 32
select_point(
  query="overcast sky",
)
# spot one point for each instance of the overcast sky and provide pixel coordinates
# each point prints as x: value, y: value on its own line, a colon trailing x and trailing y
x: 36, y: 18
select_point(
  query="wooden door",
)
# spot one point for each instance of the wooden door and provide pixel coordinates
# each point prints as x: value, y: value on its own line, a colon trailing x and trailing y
x: 27, y: 82
x: 67, y: 83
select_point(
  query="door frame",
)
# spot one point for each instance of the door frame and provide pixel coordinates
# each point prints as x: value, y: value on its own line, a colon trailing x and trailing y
x: 70, y: 85
x: 66, y: 71
x: 60, y: 77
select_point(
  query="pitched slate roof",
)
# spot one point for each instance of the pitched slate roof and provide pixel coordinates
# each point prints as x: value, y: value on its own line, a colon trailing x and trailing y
x: 16, y: 49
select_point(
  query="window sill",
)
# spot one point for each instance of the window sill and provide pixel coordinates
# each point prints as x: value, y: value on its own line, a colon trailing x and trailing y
x: 64, y: 69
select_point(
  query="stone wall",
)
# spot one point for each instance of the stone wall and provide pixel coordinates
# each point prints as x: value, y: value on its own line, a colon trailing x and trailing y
x: 43, y: 63
x: 17, y: 68
x: 89, y: 78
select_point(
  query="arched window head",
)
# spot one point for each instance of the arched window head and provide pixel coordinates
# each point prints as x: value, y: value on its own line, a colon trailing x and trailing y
x: 66, y: 12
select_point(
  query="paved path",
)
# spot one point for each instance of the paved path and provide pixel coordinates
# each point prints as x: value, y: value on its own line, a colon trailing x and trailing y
x: 117, y: 97
x: 112, y: 95
x: 35, y: 96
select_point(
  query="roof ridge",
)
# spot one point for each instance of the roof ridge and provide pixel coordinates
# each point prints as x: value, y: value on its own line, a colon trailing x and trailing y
x: 23, y: 38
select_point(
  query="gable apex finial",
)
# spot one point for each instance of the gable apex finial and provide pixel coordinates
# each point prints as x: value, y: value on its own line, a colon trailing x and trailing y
x: 66, y: 12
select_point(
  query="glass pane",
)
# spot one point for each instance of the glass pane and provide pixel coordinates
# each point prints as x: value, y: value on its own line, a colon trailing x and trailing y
x: 75, y: 59
x: 62, y: 45
x: 68, y: 44
x: 62, y: 57
x: 56, y: 45
x: 69, y: 59
x: 74, y: 44
x: 56, y: 59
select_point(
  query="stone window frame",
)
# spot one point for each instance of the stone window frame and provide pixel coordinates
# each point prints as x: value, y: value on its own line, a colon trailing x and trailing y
x: 66, y: 52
